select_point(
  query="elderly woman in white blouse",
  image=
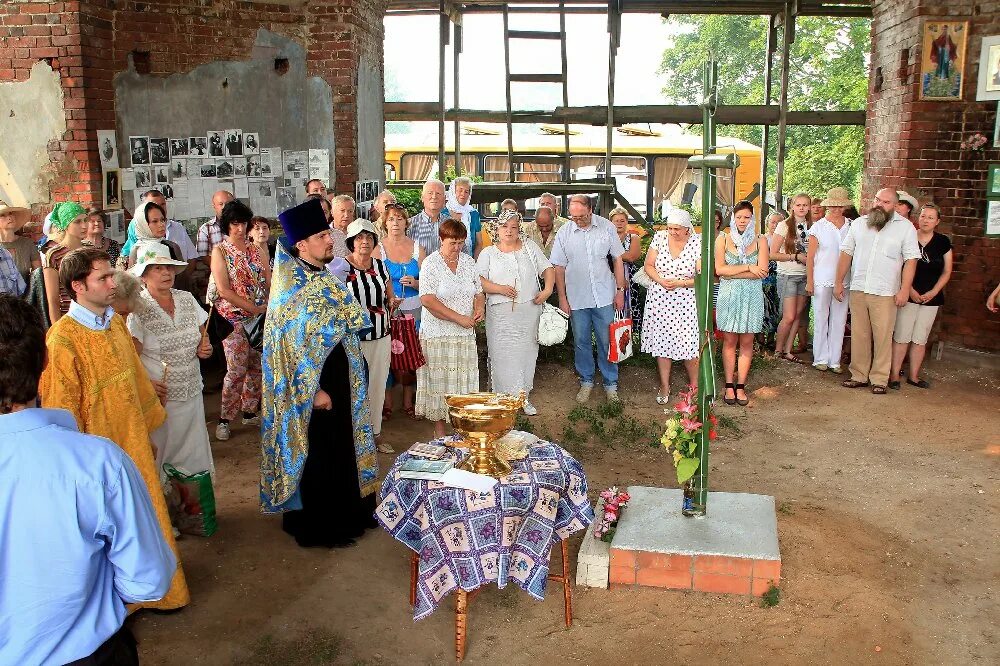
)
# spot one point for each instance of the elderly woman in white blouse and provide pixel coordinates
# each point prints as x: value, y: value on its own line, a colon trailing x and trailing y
x: 168, y: 330
x: 453, y: 303
x: 510, y: 270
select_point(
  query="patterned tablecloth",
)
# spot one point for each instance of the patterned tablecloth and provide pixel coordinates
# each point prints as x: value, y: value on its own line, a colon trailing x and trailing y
x: 469, y: 539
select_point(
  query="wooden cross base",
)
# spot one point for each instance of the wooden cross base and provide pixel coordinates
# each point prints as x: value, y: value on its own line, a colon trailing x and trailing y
x: 463, y: 598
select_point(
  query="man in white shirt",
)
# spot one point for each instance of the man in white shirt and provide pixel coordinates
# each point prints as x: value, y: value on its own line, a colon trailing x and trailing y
x: 589, y: 290
x: 884, y: 258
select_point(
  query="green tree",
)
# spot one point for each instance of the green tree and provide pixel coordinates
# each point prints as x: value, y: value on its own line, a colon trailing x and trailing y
x: 828, y: 72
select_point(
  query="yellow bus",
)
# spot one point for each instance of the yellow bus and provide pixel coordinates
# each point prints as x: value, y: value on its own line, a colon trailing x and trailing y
x: 648, y: 164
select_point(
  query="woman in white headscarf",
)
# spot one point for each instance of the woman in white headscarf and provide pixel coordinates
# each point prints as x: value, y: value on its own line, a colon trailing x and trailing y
x: 671, y: 314
x: 459, y: 204
x: 741, y: 258
x: 150, y: 225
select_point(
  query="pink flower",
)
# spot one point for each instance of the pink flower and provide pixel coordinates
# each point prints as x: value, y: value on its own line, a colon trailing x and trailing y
x: 686, y: 408
x: 690, y: 425
x: 608, y: 515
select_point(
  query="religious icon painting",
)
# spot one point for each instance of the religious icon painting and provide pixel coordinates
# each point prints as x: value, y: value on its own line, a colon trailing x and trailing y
x: 216, y: 143
x: 198, y: 146
x: 234, y: 142
x: 942, y: 59
x: 159, y: 150
x: 112, y: 190
x: 989, y: 70
x: 178, y: 148
x: 139, y: 149
x: 251, y: 143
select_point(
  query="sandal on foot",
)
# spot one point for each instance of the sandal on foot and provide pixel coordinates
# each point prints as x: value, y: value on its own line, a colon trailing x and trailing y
x: 727, y: 400
x: 410, y: 412
x: 853, y: 383
x: 742, y: 402
x: 788, y: 356
x: 878, y: 390
x: 382, y: 446
x: 662, y: 399
x: 386, y: 413
x: 894, y: 385
x: 920, y: 383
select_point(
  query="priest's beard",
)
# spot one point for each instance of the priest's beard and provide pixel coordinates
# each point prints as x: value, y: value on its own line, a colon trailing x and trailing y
x: 877, y: 218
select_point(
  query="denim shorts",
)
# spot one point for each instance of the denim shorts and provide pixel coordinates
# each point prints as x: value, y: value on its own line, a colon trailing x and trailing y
x: 791, y: 285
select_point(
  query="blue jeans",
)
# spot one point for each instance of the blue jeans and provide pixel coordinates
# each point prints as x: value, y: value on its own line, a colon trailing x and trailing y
x: 587, y: 322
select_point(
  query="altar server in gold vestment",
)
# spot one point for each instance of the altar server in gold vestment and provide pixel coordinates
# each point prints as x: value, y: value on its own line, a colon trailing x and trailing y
x: 94, y: 373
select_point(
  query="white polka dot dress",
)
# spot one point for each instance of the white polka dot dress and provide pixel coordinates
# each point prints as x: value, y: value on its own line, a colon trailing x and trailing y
x: 670, y: 322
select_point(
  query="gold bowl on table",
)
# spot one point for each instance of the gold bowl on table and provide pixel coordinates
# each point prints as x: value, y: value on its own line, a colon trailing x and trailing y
x: 482, y: 419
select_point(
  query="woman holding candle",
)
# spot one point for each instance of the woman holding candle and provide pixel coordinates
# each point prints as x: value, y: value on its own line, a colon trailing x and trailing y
x: 168, y: 330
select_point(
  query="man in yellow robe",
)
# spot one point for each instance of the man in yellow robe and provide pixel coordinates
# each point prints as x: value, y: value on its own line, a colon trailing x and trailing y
x: 93, y: 371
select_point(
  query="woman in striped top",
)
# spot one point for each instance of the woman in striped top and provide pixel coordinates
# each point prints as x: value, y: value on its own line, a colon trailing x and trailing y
x: 371, y: 284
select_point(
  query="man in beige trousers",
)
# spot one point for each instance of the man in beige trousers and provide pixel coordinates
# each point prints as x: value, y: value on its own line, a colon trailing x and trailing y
x: 883, y: 253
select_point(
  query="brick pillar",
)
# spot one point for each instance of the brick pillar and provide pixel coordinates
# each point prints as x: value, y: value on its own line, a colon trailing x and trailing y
x: 914, y: 145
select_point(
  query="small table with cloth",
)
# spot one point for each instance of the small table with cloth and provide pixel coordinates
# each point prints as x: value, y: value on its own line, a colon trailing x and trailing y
x: 464, y: 539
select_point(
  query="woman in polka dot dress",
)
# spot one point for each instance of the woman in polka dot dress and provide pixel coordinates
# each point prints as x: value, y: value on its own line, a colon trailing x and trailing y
x: 671, y: 316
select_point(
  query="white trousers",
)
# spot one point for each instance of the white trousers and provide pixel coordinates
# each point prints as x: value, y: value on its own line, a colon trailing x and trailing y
x: 828, y: 328
x: 377, y: 354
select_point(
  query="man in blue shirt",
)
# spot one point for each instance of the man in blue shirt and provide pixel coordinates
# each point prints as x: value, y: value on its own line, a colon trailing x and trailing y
x: 79, y: 535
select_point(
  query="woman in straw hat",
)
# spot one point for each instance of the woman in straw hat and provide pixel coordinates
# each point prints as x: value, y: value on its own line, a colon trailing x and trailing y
x: 168, y: 331
x: 23, y: 251
x: 822, y: 255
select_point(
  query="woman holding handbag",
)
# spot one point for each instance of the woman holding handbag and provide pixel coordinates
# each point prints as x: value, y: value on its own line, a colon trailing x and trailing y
x: 242, y: 278
x: 402, y: 257
x: 509, y: 271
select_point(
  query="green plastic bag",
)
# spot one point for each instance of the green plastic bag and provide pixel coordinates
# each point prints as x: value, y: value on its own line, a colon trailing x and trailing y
x: 193, y: 501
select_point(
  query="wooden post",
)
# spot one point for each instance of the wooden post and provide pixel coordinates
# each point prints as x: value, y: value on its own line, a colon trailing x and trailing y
x: 443, y: 41
x: 506, y: 71
x: 567, y: 164
x: 766, y: 129
x: 787, y: 37
x: 456, y: 51
x: 612, y: 53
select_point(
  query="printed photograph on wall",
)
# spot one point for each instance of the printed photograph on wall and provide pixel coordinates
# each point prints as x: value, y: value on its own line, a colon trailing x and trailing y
x: 224, y: 168
x: 198, y: 146
x: 161, y: 174
x: 253, y: 166
x: 108, y: 148
x: 208, y: 170
x: 178, y: 148
x: 139, y: 149
x: 159, y: 150
x: 251, y: 143
x: 112, y: 190
x: 143, y: 178
x: 216, y: 143
x: 286, y: 198
x: 942, y: 59
x: 993, y: 181
x: 239, y: 168
x: 989, y: 70
x: 178, y: 169
x: 234, y: 142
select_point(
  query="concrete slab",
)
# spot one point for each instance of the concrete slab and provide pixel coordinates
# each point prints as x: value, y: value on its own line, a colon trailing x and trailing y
x: 737, y: 525
x: 593, y: 559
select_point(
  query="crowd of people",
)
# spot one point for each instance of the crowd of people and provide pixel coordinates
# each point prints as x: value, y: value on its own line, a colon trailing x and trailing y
x: 305, y: 327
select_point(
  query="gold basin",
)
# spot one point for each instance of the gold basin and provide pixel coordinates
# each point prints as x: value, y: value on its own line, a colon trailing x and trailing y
x: 481, y: 419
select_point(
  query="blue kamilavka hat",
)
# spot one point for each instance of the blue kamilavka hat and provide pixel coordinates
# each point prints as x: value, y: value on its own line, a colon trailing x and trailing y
x: 302, y: 221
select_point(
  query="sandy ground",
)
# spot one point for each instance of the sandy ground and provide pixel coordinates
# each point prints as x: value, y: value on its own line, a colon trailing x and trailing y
x: 888, y: 523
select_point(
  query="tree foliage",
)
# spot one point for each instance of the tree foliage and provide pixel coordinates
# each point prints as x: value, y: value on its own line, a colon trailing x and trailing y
x: 828, y: 72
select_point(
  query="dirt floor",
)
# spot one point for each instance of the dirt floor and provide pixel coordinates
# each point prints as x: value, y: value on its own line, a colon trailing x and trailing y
x: 887, y: 519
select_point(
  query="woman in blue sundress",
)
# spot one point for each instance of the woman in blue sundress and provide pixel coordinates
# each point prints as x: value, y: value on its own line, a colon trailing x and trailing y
x: 402, y: 258
x: 741, y: 259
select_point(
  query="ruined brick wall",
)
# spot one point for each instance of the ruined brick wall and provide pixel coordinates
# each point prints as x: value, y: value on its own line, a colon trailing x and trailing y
x: 90, y: 42
x: 914, y: 145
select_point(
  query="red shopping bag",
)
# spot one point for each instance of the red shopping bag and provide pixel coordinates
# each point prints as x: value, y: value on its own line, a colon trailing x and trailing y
x: 620, y: 338
x: 407, y: 355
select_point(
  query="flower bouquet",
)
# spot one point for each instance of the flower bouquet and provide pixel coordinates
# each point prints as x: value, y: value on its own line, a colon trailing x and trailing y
x: 681, y: 439
x: 607, y: 522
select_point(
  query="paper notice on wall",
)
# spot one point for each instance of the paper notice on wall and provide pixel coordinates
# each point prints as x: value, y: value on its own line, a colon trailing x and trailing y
x: 295, y: 167
x: 209, y: 186
x: 128, y: 179
x: 107, y: 146
x: 319, y: 165
x: 180, y: 206
x: 270, y: 162
x: 241, y: 188
x: 263, y: 199
x: 993, y: 218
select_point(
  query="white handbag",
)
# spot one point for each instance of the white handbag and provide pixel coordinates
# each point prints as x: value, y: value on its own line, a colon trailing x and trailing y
x: 641, y: 278
x: 553, y: 323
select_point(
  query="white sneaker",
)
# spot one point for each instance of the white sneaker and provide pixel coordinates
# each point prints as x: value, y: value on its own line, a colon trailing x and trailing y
x: 253, y: 420
x: 583, y: 395
x: 611, y: 394
x: 529, y: 409
x: 222, y: 432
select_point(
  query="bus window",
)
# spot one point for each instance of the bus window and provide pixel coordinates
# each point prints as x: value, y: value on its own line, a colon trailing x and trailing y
x: 527, y: 169
x: 629, y: 173
x: 420, y: 166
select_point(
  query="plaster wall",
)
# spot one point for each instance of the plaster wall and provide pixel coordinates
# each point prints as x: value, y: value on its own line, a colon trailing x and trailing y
x: 31, y: 115
x: 371, y: 138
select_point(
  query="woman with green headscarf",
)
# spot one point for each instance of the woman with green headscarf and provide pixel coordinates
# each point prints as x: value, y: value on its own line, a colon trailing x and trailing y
x: 70, y: 220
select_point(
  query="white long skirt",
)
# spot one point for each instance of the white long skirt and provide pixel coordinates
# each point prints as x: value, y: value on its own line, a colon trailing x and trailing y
x: 182, y: 440
x: 512, y: 342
